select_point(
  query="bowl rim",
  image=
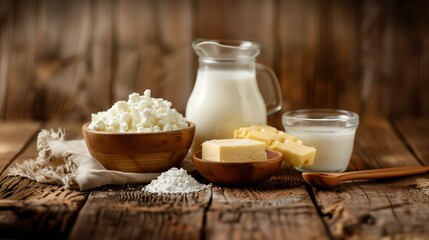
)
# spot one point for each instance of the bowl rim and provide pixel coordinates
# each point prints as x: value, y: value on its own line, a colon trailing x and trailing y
x: 278, y: 157
x: 87, y: 129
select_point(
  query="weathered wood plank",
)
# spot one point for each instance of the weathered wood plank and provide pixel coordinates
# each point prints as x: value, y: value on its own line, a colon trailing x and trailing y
x: 136, y: 214
x: 394, y: 208
x: 5, y: 39
x: 377, y: 145
x: 30, y: 209
x: 395, y: 57
x: 319, y: 60
x: 153, y: 52
x: 357, y: 55
x: 14, y: 136
x: 20, y: 93
x: 61, y: 60
x: 296, y: 43
x: 280, y: 208
x: 239, y: 19
x: 66, y: 59
x: 54, y: 104
x: 415, y: 132
x: 102, y: 56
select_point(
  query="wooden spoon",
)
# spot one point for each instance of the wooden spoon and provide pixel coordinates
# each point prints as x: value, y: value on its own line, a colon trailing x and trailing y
x: 324, y: 180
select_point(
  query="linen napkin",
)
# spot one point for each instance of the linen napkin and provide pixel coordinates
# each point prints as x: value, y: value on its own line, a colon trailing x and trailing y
x: 70, y: 164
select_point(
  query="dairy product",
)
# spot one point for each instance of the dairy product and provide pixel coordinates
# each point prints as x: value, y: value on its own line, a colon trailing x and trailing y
x: 139, y: 114
x: 234, y: 150
x: 222, y: 101
x: 334, y: 146
x: 293, y: 150
x: 175, y: 181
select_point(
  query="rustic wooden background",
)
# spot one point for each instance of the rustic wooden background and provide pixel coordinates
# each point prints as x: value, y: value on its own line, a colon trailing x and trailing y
x: 67, y: 59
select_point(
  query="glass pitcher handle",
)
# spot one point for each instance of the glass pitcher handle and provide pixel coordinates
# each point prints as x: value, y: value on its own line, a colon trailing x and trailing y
x: 269, y: 87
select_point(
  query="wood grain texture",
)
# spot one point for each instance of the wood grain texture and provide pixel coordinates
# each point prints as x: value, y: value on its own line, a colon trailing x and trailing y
x: 20, y: 93
x: 238, y: 173
x: 15, y: 136
x: 395, y: 208
x: 416, y: 131
x: 5, y: 39
x: 277, y: 209
x: 139, y: 152
x: 139, y: 50
x: 33, y: 210
x: 378, y: 145
x: 67, y: 59
x: 324, y: 180
x: 280, y: 208
x: 63, y: 39
x: 396, y: 56
x: 127, y: 212
x: 240, y: 20
x: 319, y: 61
x: 102, y: 55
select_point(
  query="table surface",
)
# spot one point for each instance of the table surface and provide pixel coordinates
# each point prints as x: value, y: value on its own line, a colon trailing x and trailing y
x: 283, y: 207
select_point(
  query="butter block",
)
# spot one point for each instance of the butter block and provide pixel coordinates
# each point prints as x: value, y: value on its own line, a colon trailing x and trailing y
x: 234, y: 150
x: 293, y: 150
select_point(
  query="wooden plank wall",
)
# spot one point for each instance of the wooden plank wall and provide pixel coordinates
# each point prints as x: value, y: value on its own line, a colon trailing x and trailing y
x: 67, y: 59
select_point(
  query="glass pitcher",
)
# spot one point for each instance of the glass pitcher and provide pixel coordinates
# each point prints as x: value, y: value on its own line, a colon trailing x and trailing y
x: 226, y: 95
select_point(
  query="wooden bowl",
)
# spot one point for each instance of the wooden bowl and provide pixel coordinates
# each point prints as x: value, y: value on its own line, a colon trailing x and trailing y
x: 139, y: 152
x: 238, y: 173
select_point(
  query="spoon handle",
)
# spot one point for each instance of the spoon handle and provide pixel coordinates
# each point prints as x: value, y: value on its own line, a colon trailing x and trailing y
x: 384, y: 173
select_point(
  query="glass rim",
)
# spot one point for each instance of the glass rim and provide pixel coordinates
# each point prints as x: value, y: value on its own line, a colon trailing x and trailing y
x: 250, y: 50
x: 242, y: 44
x: 302, y: 115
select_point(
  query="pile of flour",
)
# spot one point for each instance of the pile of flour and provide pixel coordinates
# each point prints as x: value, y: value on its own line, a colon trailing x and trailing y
x: 175, y: 181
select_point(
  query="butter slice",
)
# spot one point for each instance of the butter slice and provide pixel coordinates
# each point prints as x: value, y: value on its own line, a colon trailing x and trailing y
x: 234, y: 150
x: 293, y: 149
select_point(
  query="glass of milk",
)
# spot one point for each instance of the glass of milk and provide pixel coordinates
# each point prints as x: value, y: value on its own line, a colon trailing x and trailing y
x: 330, y: 131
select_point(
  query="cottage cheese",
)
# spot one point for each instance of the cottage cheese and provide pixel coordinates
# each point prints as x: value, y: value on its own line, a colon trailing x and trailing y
x: 139, y: 114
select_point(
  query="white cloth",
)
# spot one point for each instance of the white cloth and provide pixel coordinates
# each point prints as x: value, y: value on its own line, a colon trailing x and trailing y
x: 70, y: 164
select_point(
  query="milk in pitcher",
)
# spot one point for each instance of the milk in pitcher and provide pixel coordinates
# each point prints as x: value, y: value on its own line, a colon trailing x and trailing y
x: 222, y: 101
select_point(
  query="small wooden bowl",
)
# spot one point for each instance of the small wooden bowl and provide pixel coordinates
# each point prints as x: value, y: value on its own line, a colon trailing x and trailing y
x: 139, y: 152
x: 238, y: 173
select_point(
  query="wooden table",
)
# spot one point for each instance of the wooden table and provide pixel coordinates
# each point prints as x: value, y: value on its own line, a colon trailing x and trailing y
x: 281, y: 208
